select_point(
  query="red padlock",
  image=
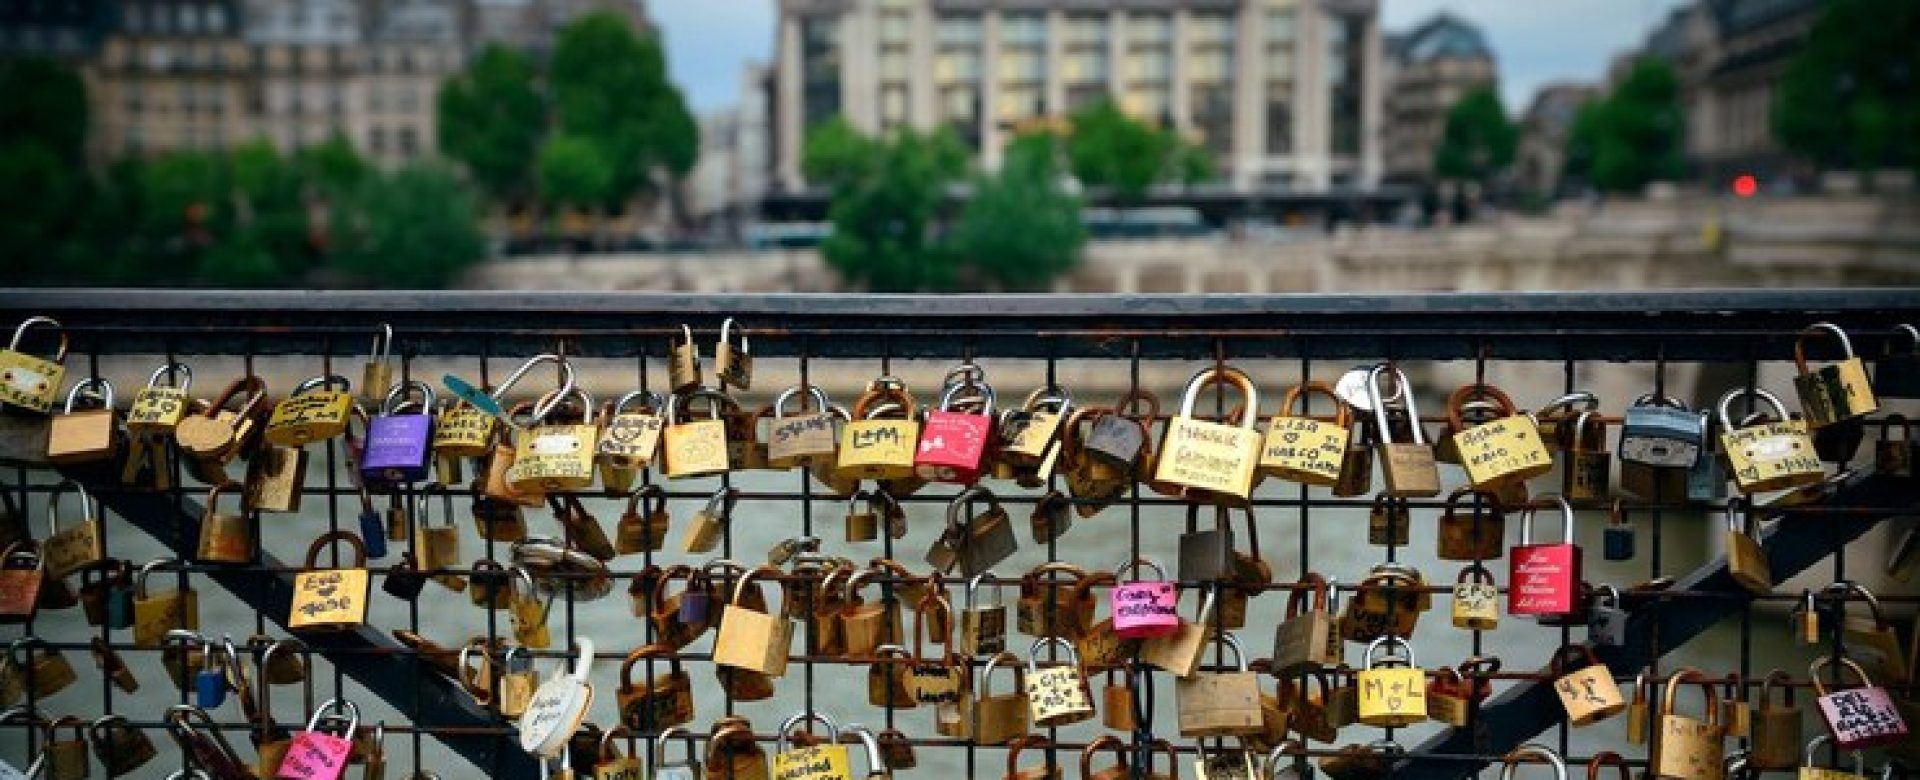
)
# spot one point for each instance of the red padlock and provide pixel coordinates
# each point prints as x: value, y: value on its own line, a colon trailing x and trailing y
x: 1859, y: 718
x: 316, y: 754
x: 1545, y: 577
x: 953, y: 443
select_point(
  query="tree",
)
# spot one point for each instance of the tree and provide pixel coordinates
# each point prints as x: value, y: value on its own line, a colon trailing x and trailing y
x: 882, y: 209
x: 1637, y: 134
x: 46, y: 104
x: 1020, y: 229
x: 572, y: 172
x: 491, y: 117
x: 43, y: 126
x: 610, y: 87
x: 1478, y: 141
x: 414, y: 228
x: 1583, y: 141
x: 1114, y: 151
x: 1851, y: 96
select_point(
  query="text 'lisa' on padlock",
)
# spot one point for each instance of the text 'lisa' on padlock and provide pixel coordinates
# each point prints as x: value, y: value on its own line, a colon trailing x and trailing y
x: 1393, y: 689
x: 1768, y: 456
x: 400, y: 446
x: 1303, y: 449
x: 1144, y: 608
x: 1860, y: 717
x: 30, y: 382
x: 1545, y: 577
x: 1502, y: 451
x: 1408, y: 467
x: 317, y: 410
x: 824, y: 760
x: 954, y: 441
x: 85, y: 435
x: 1211, y: 462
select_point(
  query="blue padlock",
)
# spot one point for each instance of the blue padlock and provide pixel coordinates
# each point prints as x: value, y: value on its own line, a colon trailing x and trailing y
x: 373, y: 532
x: 693, y: 602
x: 210, y: 685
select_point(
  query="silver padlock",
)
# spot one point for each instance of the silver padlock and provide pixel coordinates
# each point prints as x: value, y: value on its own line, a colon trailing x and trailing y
x: 686, y: 770
x: 1607, y: 622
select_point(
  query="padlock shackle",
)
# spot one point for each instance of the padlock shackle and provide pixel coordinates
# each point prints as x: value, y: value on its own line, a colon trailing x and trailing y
x: 1501, y: 403
x: 1512, y: 759
x: 1133, y: 565
x: 1725, y: 405
x: 1342, y: 413
x: 1581, y: 654
x: 805, y: 716
x: 950, y: 396
x: 1052, y: 395
x: 1292, y: 751
x: 1800, y: 344
x: 1222, y: 375
x: 1566, y: 518
x: 1606, y: 594
x: 399, y: 392
x: 1739, y: 520
x: 20, y: 332
x: 973, y: 586
x: 1478, y: 573
x: 655, y: 650
x: 1806, y: 754
x: 1073, y: 654
x: 184, y: 372
x: 1102, y: 742
x: 332, y: 537
x: 382, y: 347
x: 1785, y: 682
x: 566, y: 374
x: 1688, y: 674
x: 1385, y: 641
x: 740, y: 589
x: 101, y: 389
x: 87, y: 506
x: 869, y: 744
x: 650, y: 400
x: 1232, y: 642
x: 1384, y: 428
x: 726, y: 331
x: 1606, y: 758
x: 1813, y: 672
x: 718, y: 402
x: 322, y: 382
x: 140, y: 578
x: 1314, y: 585
x: 813, y: 391
x: 1847, y: 587
x: 959, y: 503
x: 986, y: 673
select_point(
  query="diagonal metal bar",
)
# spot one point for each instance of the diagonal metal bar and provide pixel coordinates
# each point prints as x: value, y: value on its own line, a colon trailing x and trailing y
x: 1798, y: 541
x: 377, y: 661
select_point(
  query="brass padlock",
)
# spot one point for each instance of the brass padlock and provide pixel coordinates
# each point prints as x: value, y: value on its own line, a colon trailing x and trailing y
x: 213, y: 438
x: 1057, y: 695
x: 120, y: 747
x: 1212, y: 462
x: 77, y: 547
x: 1585, y: 686
x: 29, y: 382
x: 732, y: 365
x: 998, y: 719
x: 1532, y: 752
x: 1391, y: 696
x: 861, y: 525
x: 697, y: 448
x: 156, y: 613
x: 332, y: 599
x: 1746, y: 561
x: 1221, y: 703
x: 880, y: 439
x: 1408, y: 467
x: 683, y: 368
x: 631, y: 437
x: 157, y: 408
x: 1838, y: 391
x: 806, y: 438
x: 1303, y: 449
x: 276, y: 478
x: 1476, y: 599
x: 983, y: 540
x: 42, y: 668
x: 1179, y: 652
x: 526, y: 611
x: 1499, y: 452
x: 318, y: 409
x: 1776, y: 729
x: 1307, y: 638
x: 983, y: 628
x: 224, y: 538
x: 1588, y: 463
x: 643, y: 526
x: 749, y: 639
x: 111, y: 665
x: 1768, y: 456
x: 78, y: 435
x: 1471, y: 533
x: 557, y: 456
x: 710, y: 523
x: 67, y: 759
x: 1688, y: 748
x: 1389, y: 521
x: 1032, y: 432
x: 377, y: 375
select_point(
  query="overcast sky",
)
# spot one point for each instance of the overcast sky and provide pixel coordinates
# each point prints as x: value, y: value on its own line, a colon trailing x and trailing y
x: 1535, y: 41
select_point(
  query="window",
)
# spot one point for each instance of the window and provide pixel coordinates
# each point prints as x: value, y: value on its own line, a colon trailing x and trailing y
x: 958, y: 30
x: 1210, y: 66
x: 1023, y: 28
x: 375, y: 98
x: 1149, y: 66
x: 1020, y: 65
x: 189, y: 18
x: 1150, y: 30
x: 1020, y: 103
x: 1087, y: 30
x: 377, y: 140
x: 1086, y: 65
x: 1279, y: 63
x: 1280, y: 25
x: 1279, y: 120
x: 893, y: 106
x: 409, y: 141
x: 954, y: 66
x: 893, y: 65
x: 1210, y: 29
x: 216, y: 19
x: 895, y: 27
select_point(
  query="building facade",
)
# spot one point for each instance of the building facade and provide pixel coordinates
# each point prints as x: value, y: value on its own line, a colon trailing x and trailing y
x: 534, y: 25
x: 69, y: 30
x: 1285, y: 93
x: 1544, y: 129
x: 171, y: 74
x: 1432, y: 67
x: 730, y: 178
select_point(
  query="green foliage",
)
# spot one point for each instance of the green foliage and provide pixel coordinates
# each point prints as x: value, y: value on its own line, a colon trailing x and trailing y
x: 46, y: 103
x: 882, y: 210
x: 573, y: 172
x: 610, y: 87
x: 1020, y: 230
x: 1633, y: 136
x: 491, y: 117
x: 1851, y: 97
x: 1478, y: 141
x: 414, y: 228
x: 333, y: 164
x: 1111, y: 150
x: 836, y: 154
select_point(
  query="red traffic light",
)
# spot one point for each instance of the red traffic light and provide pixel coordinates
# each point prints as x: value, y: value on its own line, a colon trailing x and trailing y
x: 1745, y: 185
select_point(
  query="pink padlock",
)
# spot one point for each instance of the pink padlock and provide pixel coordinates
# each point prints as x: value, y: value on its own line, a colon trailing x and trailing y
x: 1859, y: 718
x: 1143, y: 609
x: 954, y: 443
x: 316, y: 754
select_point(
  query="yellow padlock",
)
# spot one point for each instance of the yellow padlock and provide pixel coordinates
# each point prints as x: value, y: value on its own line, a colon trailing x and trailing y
x: 1396, y: 695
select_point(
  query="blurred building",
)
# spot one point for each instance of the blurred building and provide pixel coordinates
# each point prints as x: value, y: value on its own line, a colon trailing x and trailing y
x: 171, y: 74
x: 730, y: 177
x: 70, y: 30
x: 1430, y: 68
x: 533, y: 25
x: 1285, y: 93
x: 1729, y: 54
x: 1544, y: 128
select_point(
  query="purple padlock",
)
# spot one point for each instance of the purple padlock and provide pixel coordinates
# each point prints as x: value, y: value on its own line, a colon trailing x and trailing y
x: 399, y: 446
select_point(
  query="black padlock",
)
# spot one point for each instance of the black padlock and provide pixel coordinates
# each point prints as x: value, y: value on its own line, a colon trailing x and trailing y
x: 405, y: 580
x: 1617, y: 541
x: 1836, y: 442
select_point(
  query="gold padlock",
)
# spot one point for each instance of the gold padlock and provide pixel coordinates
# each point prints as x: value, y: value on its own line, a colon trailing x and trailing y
x: 1408, y: 466
x: 318, y: 409
x: 377, y: 375
x: 79, y: 436
x: 556, y: 456
x: 1500, y: 452
x: 880, y: 439
x: 1746, y: 562
x: 749, y: 639
x: 330, y: 599
x: 66, y: 759
x: 1768, y: 456
x: 631, y: 436
x: 1212, y: 462
x: 1304, y: 449
x: 683, y: 369
x: 29, y: 382
x: 215, y: 436
x: 644, y: 525
x: 997, y: 719
x: 157, y: 612
x: 1688, y: 748
x: 224, y: 538
x: 158, y: 408
x: 732, y: 365
x: 1585, y: 686
x: 75, y: 548
x: 276, y: 478
x: 1032, y: 431
x: 1838, y: 391
x: 1476, y: 603
x: 697, y: 448
x: 806, y: 438
x: 1392, y: 696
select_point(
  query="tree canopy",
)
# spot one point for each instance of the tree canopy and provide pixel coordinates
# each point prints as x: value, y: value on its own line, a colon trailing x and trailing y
x: 1110, y: 150
x: 1020, y: 230
x: 610, y: 90
x: 1633, y: 136
x: 1851, y: 96
x: 883, y: 207
x: 1478, y: 141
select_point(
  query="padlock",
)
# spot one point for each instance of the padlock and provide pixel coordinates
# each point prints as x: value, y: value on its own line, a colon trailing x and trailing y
x: 1587, y: 463
x: 317, y: 410
x: 1707, y: 479
x: 330, y: 599
x: 1032, y: 433
x: 1639, y: 719
x: 1870, y: 641
x: 475, y: 671
x: 1838, y: 391
x: 1688, y: 748
x: 78, y: 546
x: 1287, y: 761
x: 866, y: 625
x: 997, y: 719
x: 682, y: 617
x: 1861, y: 717
x: 42, y: 668
x: 1746, y: 561
x: 1211, y: 462
x: 1607, y: 621
x: 696, y: 448
x: 1660, y: 442
x: 610, y: 764
x: 1118, y: 771
x: 979, y: 542
x: 555, y: 456
x: 662, y: 769
x: 216, y: 435
x: 1057, y: 695
x: 643, y: 526
x: 276, y: 479
x: 804, y: 439
x: 526, y: 611
x: 66, y: 759
x: 106, y: 593
x: 1117, y: 700
x: 1362, y: 762
x: 983, y: 627
x: 1617, y: 539
x: 158, y: 408
x: 1303, y: 449
x: 1532, y: 752
x: 1119, y: 440
x: 1408, y: 467
x: 752, y: 640
x: 1476, y: 599
x: 1473, y: 532
x: 1391, y: 696
x: 316, y: 754
x: 683, y: 364
x: 1734, y: 711
x: 154, y: 614
x: 400, y: 446
x: 746, y: 450
x: 1307, y: 639
x: 1216, y: 704
x: 1144, y: 609
x: 376, y: 374
x: 1896, y: 374
x: 29, y: 382
x: 210, y: 683
x: 1389, y: 521
x: 77, y: 436
x: 518, y: 680
x: 559, y: 705
x: 120, y: 747
x: 953, y: 442
x: 939, y: 680
x: 1206, y: 554
x: 873, y: 446
x: 1179, y: 652
x: 1039, y: 613
x: 862, y: 525
x: 1500, y: 452
x: 1449, y: 698
x: 1099, y: 644
x: 1810, y: 771
x: 656, y: 702
x: 1388, y: 601
x: 1585, y: 686
x: 583, y: 530
x: 280, y: 661
x: 710, y: 523
x: 1223, y: 764
x: 732, y: 365
x: 1896, y: 457
x: 890, y: 681
x: 1545, y: 578
x: 224, y: 538
x: 1309, y: 714
x: 826, y: 760
x: 199, y: 738
x: 405, y: 579
x: 1769, y: 456
x: 1046, y: 770
x: 1776, y: 729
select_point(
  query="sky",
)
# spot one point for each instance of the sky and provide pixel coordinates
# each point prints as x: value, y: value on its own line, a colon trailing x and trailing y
x: 1535, y: 41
